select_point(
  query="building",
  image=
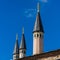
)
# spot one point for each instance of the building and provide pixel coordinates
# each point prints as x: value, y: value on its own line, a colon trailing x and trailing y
x: 38, y: 35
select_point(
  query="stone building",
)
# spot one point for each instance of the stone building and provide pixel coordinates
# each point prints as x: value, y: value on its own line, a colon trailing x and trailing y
x: 38, y: 36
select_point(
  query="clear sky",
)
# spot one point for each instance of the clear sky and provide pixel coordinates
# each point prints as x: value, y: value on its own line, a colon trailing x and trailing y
x: 15, y: 14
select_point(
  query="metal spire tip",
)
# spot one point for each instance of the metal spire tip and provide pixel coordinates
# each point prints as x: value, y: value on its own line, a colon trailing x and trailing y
x: 38, y: 7
x: 23, y: 30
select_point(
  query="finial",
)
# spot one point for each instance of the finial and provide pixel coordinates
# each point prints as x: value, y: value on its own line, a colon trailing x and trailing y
x: 17, y: 36
x: 38, y: 7
x: 23, y: 30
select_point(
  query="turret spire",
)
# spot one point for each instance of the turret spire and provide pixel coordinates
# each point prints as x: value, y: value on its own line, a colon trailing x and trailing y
x: 16, y: 36
x: 22, y: 46
x: 38, y: 7
x: 23, y: 30
x: 38, y: 24
x: 16, y: 49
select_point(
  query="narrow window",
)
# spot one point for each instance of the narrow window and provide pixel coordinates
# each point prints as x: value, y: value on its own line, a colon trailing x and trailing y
x: 24, y: 52
x: 34, y: 35
x: 40, y: 35
x: 37, y: 35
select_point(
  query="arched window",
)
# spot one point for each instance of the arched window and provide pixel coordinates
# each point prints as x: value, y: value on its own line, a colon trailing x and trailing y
x: 24, y: 52
x: 34, y: 35
x: 40, y: 35
x: 37, y: 35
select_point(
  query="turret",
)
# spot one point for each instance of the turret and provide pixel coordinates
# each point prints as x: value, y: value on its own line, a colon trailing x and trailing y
x: 22, y: 50
x: 16, y: 49
x: 38, y: 33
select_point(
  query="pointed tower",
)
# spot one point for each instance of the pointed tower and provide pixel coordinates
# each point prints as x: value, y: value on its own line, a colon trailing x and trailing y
x: 16, y: 49
x: 22, y: 50
x: 38, y: 33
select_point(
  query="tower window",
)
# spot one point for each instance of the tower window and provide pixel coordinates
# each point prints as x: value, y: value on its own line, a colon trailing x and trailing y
x: 37, y: 35
x: 17, y: 56
x: 34, y: 35
x: 24, y: 52
x: 40, y: 35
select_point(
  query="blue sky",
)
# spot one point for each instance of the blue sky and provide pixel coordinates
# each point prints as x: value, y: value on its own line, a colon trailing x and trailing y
x: 15, y: 14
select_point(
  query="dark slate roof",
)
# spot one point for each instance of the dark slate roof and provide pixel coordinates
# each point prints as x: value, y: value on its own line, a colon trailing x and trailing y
x: 38, y: 27
x: 16, y: 48
x: 42, y: 55
x: 23, y: 44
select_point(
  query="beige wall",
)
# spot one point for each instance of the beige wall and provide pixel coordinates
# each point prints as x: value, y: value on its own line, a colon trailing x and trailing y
x: 21, y: 53
x: 51, y: 58
x: 37, y: 43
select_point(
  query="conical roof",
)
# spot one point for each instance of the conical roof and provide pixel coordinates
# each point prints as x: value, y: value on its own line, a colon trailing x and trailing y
x: 38, y: 24
x: 23, y: 44
x: 38, y: 27
x: 16, y: 48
